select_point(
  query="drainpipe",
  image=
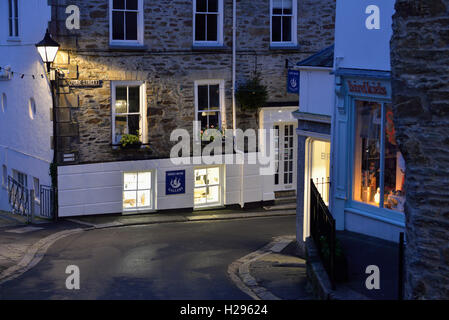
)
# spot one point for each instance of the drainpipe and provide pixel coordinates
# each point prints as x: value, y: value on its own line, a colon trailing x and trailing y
x: 234, y: 112
x: 234, y: 45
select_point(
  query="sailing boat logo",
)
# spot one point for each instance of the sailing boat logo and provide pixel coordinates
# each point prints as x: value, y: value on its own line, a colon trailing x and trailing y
x: 293, y: 83
x: 175, y: 183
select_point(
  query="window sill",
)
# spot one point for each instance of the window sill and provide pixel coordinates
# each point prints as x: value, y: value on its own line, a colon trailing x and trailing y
x: 143, y: 146
x: 385, y: 215
x: 284, y: 47
x: 127, y: 47
x: 13, y: 40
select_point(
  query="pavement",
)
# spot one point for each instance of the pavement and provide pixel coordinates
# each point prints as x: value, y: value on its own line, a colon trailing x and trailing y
x: 117, y: 220
x: 272, y: 272
x: 362, y: 251
x: 24, y: 245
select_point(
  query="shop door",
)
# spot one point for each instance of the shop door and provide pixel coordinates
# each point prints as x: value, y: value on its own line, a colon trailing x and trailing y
x: 285, y: 155
x: 320, y: 167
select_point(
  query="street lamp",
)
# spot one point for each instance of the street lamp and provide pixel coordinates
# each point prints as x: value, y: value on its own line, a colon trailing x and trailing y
x: 47, y: 48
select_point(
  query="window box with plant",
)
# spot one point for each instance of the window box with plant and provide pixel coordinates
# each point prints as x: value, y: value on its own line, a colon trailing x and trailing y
x: 130, y: 141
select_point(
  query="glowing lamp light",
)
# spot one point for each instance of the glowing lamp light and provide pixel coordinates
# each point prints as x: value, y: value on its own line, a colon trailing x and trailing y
x: 47, y: 48
x: 377, y: 196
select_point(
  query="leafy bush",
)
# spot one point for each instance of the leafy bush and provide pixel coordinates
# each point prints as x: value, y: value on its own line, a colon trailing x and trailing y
x: 252, y: 94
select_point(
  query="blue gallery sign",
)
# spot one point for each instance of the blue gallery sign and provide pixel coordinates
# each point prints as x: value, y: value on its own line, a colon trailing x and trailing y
x: 175, y: 182
x: 293, y: 81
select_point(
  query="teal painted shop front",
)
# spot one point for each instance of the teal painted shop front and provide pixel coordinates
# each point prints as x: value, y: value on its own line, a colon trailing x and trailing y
x: 368, y: 194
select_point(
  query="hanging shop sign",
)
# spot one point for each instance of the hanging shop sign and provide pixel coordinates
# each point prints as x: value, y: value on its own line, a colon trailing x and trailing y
x: 293, y: 81
x: 85, y: 83
x: 175, y: 182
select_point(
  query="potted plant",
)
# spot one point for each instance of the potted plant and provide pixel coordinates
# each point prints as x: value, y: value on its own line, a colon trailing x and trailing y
x: 252, y: 94
x: 210, y: 138
x: 130, y: 141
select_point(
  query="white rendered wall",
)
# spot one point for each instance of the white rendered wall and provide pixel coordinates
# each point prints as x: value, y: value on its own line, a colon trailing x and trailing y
x: 316, y: 87
x: 356, y: 46
x: 34, y: 16
x: 25, y: 143
x: 97, y: 188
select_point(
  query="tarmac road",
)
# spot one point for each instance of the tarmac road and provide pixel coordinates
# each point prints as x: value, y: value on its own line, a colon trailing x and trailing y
x: 159, y: 261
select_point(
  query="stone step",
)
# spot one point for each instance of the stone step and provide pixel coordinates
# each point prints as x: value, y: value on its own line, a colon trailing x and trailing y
x: 285, y: 193
x: 277, y: 207
x: 285, y: 200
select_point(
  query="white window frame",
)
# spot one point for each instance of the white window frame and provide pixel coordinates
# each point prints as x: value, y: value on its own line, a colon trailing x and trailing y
x: 221, y: 109
x: 143, y: 108
x: 16, y: 176
x: 153, y: 193
x: 140, y: 26
x: 36, y: 187
x: 294, y: 31
x: 221, y: 184
x: 15, y: 16
x: 4, y: 176
x: 206, y: 43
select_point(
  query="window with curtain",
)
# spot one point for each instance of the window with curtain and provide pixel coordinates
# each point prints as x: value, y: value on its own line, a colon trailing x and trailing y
x: 208, y: 105
x: 127, y: 111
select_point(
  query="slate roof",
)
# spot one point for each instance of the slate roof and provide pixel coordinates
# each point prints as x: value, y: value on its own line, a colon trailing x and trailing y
x: 323, y: 59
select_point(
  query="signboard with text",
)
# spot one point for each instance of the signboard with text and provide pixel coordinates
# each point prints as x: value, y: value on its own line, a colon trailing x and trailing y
x: 293, y: 81
x: 175, y: 182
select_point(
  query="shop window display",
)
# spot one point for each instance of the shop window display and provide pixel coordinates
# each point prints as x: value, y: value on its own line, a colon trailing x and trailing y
x: 379, y: 169
x: 137, y: 190
x: 207, y: 187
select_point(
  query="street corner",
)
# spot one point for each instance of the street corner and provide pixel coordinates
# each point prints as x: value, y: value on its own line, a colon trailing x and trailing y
x: 274, y: 272
x: 23, y: 246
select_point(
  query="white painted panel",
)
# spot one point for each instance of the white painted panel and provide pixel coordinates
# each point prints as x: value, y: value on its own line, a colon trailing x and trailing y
x: 359, y: 47
x: 98, y: 189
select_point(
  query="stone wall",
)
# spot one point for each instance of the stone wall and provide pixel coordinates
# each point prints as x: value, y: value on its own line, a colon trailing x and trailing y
x: 169, y: 65
x: 420, y: 67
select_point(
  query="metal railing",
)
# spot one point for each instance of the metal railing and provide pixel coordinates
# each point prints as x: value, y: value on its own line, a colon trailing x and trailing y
x: 401, y: 266
x: 322, y: 230
x: 18, y: 197
x: 323, y: 186
x: 47, y: 202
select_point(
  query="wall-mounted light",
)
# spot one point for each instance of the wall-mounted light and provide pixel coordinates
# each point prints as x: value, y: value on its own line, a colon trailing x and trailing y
x: 48, y: 48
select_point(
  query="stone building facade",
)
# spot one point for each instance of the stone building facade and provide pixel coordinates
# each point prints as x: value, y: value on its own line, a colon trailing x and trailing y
x: 420, y: 71
x: 169, y: 63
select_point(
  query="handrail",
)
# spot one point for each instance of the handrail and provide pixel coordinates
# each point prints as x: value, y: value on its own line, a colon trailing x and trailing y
x: 322, y: 230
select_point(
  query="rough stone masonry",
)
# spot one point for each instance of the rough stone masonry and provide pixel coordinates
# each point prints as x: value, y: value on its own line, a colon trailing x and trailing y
x: 169, y: 65
x: 420, y: 70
